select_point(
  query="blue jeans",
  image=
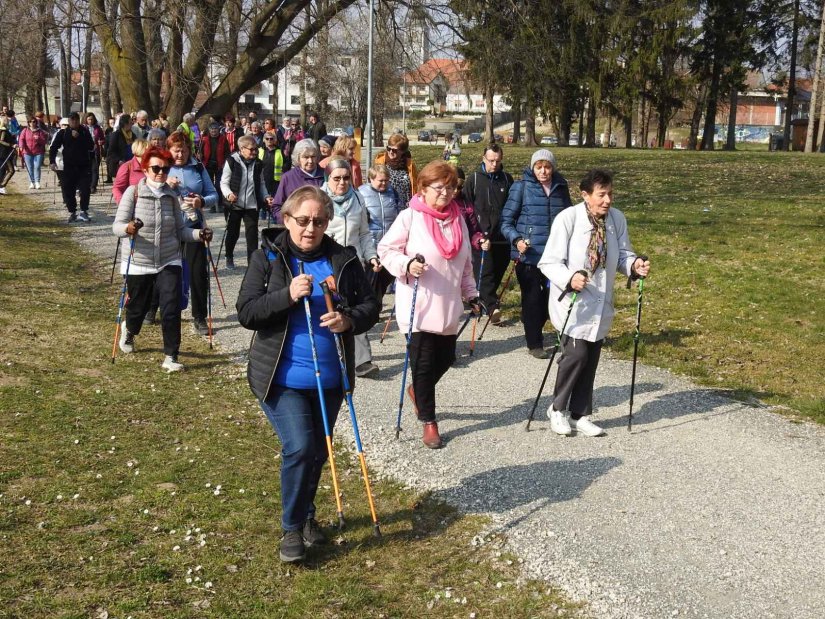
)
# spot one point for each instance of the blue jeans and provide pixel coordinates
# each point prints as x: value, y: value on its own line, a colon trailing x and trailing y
x: 33, y: 164
x: 296, y: 416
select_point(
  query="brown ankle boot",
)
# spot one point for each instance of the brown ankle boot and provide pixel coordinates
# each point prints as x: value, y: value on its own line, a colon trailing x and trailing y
x: 431, y: 437
x: 411, y: 395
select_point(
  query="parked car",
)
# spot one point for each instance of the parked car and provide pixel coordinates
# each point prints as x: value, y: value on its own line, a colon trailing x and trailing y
x: 425, y: 135
x: 473, y: 138
x: 337, y: 131
x: 549, y: 139
x: 497, y: 137
x: 573, y: 140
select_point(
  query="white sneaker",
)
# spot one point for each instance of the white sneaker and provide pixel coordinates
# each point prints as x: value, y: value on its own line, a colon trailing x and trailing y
x: 558, y: 422
x: 586, y: 427
x: 170, y: 364
x: 37, y: 185
x: 127, y: 340
x: 2, y: 191
x: 31, y: 185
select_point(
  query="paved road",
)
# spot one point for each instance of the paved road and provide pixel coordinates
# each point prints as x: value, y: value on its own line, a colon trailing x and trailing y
x: 709, y: 508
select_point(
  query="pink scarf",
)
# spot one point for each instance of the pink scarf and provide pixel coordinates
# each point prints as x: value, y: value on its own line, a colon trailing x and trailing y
x: 446, y: 247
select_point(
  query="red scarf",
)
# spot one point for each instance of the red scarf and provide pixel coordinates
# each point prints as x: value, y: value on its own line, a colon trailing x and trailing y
x: 448, y: 248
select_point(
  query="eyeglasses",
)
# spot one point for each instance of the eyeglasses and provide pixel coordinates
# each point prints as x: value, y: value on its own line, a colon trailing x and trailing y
x: 160, y: 169
x: 269, y: 139
x: 441, y: 188
x: 317, y: 222
x: 251, y: 149
x: 339, y: 179
x: 395, y: 151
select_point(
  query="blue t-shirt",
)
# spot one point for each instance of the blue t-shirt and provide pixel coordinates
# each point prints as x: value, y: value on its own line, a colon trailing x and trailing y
x: 296, y: 369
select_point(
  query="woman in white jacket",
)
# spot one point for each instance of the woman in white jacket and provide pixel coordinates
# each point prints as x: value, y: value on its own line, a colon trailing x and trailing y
x: 350, y: 227
x: 588, y: 244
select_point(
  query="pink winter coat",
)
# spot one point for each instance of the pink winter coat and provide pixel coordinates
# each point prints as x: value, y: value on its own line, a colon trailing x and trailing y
x: 438, y: 305
x: 32, y: 142
x: 129, y: 173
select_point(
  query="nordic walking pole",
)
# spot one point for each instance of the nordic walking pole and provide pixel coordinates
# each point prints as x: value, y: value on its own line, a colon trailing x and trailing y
x: 325, y: 288
x: 220, y: 249
x: 208, y: 300
x: 138, y: 225
x: 552, y: 357
x: 500, y: 297
x: 464, y: 325
x: 387, y: 326
x: 418, y: 258
x: 215, y: 271
x: 635, y: 346
x: 324, y: 416
x: 114, y: 262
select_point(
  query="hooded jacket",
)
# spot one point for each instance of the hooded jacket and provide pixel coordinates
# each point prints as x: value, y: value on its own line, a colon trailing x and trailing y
x: 529, y: 213
x: 382, y: 209
x: 488, y: 194
x: 350, y: 226
x: 290, y: 181
x: 264, y: 304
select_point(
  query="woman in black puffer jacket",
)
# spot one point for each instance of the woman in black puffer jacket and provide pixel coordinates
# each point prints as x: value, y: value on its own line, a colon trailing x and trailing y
x: 281, y: 370
x: 531, y: 207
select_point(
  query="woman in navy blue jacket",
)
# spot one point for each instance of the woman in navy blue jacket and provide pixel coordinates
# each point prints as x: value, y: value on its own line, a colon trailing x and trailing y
x: 532, y: 205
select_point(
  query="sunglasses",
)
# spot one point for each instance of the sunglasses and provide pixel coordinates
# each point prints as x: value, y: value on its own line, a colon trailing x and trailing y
x: 339, y: 179
x: 390, y: 149
x: 160, y: 169
x: 269, y: 139
x: 303, y: 222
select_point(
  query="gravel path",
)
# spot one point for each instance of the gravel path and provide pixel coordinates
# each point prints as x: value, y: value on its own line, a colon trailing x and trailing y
x: 709, y: 508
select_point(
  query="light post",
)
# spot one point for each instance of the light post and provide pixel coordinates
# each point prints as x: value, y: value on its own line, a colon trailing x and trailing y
x: 404, y: 99
x: 82, y: 90
x: 369, y: 83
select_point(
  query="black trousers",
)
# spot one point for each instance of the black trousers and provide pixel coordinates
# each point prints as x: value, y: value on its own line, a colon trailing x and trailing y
x: 495, y: 265
x: 112, y: 164
x: 431, y: 355
x: 233, y: 230
x: 576, y: 375
x: 167, y: 284
x: 76, y: 178
x: 214, y: 173
x: 535, y: 294
x: 95, y: 173
x: 195, y: 254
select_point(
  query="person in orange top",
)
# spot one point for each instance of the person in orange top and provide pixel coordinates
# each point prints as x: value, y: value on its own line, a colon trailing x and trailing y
x: 403, y: 173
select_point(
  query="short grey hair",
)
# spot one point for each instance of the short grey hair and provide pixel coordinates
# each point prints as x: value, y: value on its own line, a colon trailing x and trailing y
x: 256, y: 124
x: 337, y: 163
x: 302, y: 147
x: 142, y: 114
x: 247, y: 140
x: 187, y: 118
x: 154, y: 134
x: 304, y: 193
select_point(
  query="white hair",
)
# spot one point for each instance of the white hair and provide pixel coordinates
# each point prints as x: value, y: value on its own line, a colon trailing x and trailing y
x: 300, y: 148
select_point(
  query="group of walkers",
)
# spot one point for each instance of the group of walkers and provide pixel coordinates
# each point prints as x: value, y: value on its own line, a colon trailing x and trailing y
x: 335, y: 240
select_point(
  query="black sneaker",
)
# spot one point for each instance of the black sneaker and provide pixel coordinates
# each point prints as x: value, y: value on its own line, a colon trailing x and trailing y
x: 366, y: 370
x: 150, y: 317
x: 538, y: 353
x: 292, y: 547
x: 84, y: 216
x: 312, y: 534
x: 72, y: 218
x: 230, y: 262
x: 200, y: 327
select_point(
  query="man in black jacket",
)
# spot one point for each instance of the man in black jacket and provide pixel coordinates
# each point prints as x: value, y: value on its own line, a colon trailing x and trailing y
x: 487, y: 189
x: 78, y: 148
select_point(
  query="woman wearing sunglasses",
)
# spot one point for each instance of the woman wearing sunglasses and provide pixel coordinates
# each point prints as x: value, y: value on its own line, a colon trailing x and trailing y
x: 433, y: 227
x: 281, y: 370
x: 156, y: 262
x: 351, y: 228
x: 403, y: 174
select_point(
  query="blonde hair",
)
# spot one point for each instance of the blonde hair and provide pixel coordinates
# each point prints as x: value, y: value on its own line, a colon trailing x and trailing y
x: 378, y: 169
x: 139, y: 147
x: 305, y: 193
x: 343, y: 144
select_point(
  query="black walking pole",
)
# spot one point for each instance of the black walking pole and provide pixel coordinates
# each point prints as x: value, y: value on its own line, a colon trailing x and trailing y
x: 635, y: 347
x: 220, y: 249
x: 114, y: 262
x: 553, y: 356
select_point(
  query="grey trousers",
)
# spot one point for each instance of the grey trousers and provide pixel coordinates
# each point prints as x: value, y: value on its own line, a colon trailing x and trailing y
x: 363, y: 351
x: 577, y: 373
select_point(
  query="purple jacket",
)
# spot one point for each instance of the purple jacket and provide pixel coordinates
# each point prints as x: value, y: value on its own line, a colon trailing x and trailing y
x: 468, y: 210
x: 290, y: 181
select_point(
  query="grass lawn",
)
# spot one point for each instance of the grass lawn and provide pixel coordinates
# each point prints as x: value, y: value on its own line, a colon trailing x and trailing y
x: 126, y: 492
x: 736, y: 297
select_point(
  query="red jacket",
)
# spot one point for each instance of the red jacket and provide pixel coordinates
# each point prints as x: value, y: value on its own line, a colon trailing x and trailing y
x: 32, y: 142
x: 206, y: 149
x: 129, y: 173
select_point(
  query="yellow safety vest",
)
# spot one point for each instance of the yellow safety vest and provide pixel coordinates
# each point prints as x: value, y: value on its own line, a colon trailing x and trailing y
x: 189, y: 133
x: 279, y: 162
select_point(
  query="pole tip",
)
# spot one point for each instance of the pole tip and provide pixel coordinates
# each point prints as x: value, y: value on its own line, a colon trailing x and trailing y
x: 376, y: 530
x: 341, y: 522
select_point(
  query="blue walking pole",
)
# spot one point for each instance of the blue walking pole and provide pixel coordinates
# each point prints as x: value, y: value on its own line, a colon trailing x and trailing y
x: 418, y: 258
x: 324, y: 416
x: 325, y: 288
x: 208, y: 296
x: 138, y: 226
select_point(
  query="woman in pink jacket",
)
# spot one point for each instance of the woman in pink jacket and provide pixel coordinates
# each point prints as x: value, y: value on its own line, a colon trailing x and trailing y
x: 32, y: 143
x: 129, y: 173
x: 433, y: 226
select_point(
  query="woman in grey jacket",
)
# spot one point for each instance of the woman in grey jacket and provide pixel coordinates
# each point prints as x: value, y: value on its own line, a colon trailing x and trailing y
x: 588, y: 245
x: 156, y: 261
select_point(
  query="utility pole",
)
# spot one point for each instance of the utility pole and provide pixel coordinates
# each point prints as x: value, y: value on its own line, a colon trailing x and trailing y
x: 369, y: 83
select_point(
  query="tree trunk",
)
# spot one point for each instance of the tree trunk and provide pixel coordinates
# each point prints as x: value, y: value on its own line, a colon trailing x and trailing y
x: 530, y: 124
x: 696, y: 118
x: 789, y: 105
x: 105, y: 93
x: 628, y: 131
x: 809, y: 134
x: 86, y: 73
x: 734, y: 102
x: 488, y: 115
x: 591, y: 122
x: 709, y: 131
x: 641, y: 141
x: 516, y: 121
x: 117, y: 101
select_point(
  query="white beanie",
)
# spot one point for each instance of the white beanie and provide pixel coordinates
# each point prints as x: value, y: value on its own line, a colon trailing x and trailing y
x: 543, y: 155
